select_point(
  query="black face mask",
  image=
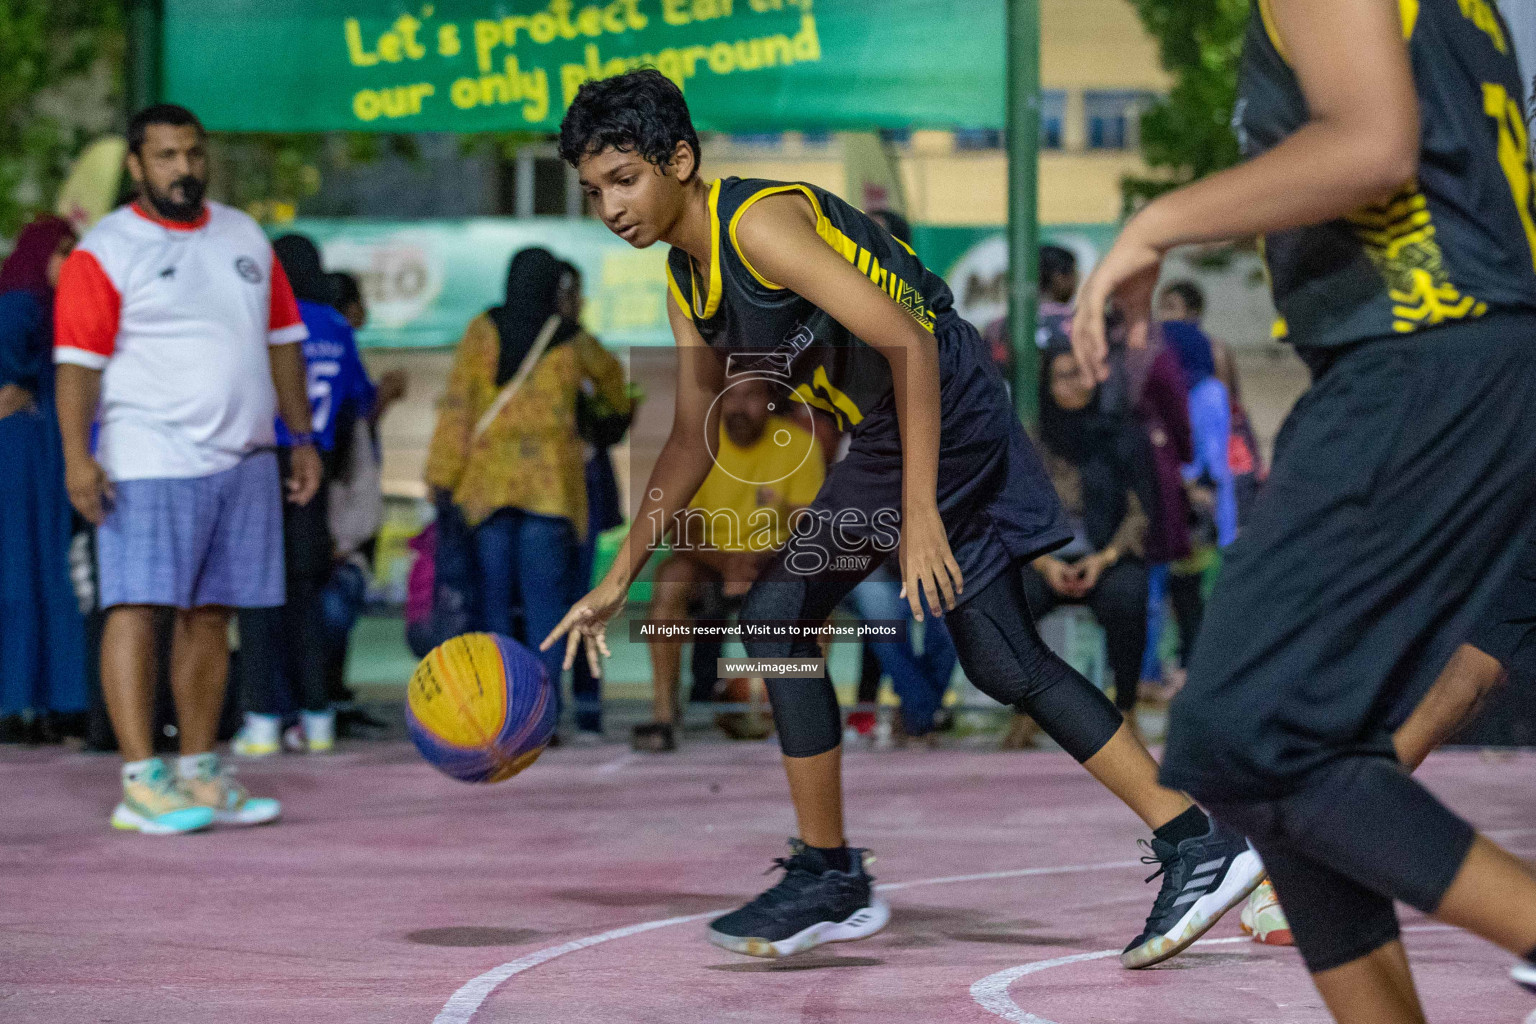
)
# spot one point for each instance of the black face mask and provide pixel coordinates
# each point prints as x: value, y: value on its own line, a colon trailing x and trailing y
x: 188, y: 211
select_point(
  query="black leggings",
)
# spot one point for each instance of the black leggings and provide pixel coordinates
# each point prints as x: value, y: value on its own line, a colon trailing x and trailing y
x: 1119, y: 603
x: 995, y: 639
x: 1324, y: 849
x: 1188, y: 609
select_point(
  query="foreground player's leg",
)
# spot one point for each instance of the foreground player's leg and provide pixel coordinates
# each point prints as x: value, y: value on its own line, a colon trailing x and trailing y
x: 199, y: 671
x: 153, y: 801
x: 1494, y: 895
x: 1322, y: 847
x: 1384, y: 978
x: 1451, y: 702
x: 1206, y: 869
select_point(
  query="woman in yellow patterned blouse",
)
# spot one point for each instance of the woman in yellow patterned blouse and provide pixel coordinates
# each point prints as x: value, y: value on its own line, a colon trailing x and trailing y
x: 514, y: 468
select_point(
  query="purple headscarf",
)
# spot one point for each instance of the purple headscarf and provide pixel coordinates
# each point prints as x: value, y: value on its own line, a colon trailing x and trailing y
x: 26, y: 268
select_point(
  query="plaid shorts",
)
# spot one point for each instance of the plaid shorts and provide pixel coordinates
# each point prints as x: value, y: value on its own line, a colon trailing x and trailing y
x: 188, y: 543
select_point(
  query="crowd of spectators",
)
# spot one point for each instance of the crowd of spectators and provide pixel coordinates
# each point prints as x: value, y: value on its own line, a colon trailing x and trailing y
x: 1156, y: 467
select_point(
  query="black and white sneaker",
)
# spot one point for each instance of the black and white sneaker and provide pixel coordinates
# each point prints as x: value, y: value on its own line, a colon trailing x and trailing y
x: 1203, y: 878
x: 807, y: 908
x: 1524, y: 975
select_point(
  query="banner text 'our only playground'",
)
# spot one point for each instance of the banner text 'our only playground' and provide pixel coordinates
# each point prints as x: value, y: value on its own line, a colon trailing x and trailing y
x: 516, y: 62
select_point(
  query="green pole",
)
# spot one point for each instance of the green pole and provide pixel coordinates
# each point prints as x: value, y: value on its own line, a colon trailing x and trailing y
x: 141, y: 85
x: 1023, y: 58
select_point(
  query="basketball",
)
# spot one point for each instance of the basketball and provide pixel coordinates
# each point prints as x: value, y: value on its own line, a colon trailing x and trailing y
x: 480, y: 708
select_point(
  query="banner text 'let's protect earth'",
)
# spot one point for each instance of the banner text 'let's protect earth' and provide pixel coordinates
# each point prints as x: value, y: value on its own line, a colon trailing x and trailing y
x: 483, y: 65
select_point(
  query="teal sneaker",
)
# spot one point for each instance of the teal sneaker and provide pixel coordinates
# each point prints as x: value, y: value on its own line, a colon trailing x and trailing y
x: 153, y: 803
x: 213, y: 786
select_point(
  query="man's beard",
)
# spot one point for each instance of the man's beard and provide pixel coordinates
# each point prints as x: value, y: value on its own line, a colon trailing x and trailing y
x: 743, y: 430
x: 169, y: 208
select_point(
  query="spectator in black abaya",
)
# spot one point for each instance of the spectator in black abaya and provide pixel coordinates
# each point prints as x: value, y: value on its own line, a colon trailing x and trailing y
x: 1093, y: 459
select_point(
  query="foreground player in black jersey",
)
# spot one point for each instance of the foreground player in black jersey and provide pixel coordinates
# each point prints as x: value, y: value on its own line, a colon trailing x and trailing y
x: 789, y: 283
x: 1388, y: 173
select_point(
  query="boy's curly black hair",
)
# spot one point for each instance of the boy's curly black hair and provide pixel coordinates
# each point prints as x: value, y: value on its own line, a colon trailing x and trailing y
x: 640, y: 111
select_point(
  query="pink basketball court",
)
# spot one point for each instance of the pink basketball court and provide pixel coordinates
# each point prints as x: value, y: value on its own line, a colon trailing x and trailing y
x: 578, y: 892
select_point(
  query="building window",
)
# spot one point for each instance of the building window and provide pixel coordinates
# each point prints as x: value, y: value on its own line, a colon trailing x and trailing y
x: 978, y: 138
x: 1114, y: 118
x: 1053, y: 114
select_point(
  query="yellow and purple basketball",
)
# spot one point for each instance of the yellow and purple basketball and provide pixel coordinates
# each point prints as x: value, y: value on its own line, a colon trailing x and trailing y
x: 480, y: 708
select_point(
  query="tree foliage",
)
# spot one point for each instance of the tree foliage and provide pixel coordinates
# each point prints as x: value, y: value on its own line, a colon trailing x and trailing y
x: 1187, y: 134
x: 44, y: 46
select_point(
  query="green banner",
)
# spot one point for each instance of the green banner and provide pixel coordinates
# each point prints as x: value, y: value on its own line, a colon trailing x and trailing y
x: 425, y: 280
x: 513, y: 65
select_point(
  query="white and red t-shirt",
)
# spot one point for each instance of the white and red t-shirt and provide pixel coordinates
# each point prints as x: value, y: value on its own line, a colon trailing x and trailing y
x: 178, y: 318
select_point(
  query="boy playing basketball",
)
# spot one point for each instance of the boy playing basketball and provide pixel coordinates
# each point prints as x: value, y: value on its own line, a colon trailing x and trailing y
x: 787, y: 282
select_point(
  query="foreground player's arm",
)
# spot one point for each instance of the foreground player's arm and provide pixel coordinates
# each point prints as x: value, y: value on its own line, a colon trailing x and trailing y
x: 1360, y: 145
x: 778, y: 236
x: 685, y: 460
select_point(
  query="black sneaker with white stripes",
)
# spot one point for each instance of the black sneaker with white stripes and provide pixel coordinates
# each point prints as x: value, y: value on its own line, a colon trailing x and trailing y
x: 1203, y: 878
x: 808, y: 907
x: 1524, y: 975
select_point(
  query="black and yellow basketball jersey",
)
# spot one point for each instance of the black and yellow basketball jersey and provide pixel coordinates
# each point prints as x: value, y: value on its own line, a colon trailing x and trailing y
x: 1457, y: 241
x: 765, y: 329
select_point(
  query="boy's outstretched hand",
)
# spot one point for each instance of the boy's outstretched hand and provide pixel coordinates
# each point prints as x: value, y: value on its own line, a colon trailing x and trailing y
x: 587, y: 624
x: 928, y: 566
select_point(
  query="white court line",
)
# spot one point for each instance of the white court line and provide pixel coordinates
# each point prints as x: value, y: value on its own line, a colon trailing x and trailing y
x: 463, y: 1004
x: 609, y: 767
x: 1501, y: 834
x: 991, y: 992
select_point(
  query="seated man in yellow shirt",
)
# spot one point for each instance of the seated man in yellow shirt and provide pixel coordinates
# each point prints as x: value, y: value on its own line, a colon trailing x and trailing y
x: 766, y: 468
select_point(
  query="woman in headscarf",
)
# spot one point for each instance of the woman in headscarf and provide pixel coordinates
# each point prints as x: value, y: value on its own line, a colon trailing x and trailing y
x: 507, y: 455
x: 42, y: 638
x: 1095, y: 453
x: 1155, y: 388
x: 1208, y: 476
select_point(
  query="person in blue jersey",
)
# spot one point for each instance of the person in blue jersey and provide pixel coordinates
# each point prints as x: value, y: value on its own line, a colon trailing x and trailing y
x: 1387, y: 171
x: 786, y: 283
x: 283, y: 650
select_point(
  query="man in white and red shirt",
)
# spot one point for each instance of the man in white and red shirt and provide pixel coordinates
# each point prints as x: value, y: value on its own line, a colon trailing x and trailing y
x: 176, y: 332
